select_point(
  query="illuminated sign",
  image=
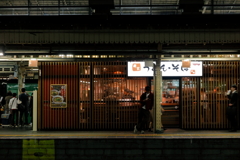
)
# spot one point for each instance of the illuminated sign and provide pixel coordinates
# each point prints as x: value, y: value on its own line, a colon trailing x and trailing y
x: 169, y: 69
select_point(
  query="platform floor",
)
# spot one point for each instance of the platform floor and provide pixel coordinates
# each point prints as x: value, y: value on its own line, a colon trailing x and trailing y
x: 171, y: 133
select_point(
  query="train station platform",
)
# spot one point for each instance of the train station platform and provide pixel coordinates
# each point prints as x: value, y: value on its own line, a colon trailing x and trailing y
x: 173, y: 144
x: 171, y: 133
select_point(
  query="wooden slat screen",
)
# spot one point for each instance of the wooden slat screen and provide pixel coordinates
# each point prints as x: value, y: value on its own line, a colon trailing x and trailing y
x: 115, y: 98
x: 218, y: 76
x: 58, y: 73
x: 84, y: 95
x: 100, y: 96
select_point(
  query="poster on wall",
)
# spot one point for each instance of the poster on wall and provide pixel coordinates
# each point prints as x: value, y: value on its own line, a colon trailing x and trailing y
x: 58, y: 95
x: 169, y: 69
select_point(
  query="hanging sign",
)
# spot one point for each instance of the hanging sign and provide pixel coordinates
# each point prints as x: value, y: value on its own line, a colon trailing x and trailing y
x: 169, y: 69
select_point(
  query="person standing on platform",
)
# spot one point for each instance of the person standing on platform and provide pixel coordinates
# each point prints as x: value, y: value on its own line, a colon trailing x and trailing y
x: 7, y: 99
x: 14, y: 110
x: 147, y: 101
x: 232, y: 107
x: 24, y: 98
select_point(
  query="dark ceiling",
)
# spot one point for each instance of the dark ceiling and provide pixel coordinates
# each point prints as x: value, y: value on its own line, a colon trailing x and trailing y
x: 127, y: 15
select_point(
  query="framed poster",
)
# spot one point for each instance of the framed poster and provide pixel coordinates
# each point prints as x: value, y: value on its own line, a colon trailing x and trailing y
x: 58, y: 95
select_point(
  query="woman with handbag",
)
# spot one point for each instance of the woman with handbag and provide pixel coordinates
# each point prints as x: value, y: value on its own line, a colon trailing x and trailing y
x: 14, y: 110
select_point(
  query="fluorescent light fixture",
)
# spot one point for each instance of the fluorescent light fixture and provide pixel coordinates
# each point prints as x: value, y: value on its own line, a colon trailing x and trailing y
x: 69, y: 56
x: 1, y: 51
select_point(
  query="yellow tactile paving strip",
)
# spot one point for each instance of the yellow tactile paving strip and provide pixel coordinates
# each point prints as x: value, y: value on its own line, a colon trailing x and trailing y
x: 38, y: 149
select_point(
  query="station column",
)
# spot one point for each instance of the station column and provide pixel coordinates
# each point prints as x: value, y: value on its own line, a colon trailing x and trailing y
x: 157, y: 97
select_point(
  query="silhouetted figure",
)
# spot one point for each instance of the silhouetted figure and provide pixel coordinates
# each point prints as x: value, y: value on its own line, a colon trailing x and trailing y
x: 232, y: 107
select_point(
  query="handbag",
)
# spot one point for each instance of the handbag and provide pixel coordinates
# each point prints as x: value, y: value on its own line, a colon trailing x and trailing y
x: 20, y: 106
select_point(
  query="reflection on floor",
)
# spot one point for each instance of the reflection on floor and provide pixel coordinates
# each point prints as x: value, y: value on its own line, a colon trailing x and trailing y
x: 172, y: 133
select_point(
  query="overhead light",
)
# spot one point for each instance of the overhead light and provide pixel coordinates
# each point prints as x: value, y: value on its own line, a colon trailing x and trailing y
x: 69, y: 56
x: 1, y: 51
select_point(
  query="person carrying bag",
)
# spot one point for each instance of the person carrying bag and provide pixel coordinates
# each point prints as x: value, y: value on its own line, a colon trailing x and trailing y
x: 23, y: 107
x: 14, y: 110
x: 20, y: 106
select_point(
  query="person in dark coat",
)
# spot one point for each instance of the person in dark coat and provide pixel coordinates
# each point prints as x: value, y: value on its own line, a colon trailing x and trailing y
x: 25, y: 101
x: 232, y: 108
x: 147, y: 101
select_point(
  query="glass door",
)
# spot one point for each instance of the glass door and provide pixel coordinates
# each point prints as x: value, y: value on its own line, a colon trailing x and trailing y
x: 170, y: 103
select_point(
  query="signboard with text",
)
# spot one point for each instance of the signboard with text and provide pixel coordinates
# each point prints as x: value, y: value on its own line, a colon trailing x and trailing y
x: 169, y: 69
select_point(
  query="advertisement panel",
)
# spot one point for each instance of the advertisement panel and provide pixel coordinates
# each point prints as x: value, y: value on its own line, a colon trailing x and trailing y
x: 58, y: 95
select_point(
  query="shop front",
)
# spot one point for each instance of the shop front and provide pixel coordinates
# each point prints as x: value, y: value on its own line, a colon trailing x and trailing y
x: 102, y: 96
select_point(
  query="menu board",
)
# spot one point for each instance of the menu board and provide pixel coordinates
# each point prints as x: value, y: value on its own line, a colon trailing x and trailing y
x: 58, y: 95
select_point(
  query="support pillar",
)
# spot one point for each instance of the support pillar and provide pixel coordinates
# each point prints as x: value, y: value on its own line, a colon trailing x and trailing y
x: 34, y: 124
x: 21, y: 76
x: 157, y: 97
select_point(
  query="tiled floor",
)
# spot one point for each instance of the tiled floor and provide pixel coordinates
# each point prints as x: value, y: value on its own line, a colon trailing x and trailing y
x: 172, y: 133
